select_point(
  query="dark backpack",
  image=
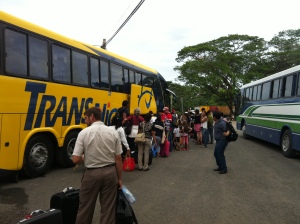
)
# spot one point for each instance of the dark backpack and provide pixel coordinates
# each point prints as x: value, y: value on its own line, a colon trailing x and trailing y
x: 174, y: 120
x: 233, y: 134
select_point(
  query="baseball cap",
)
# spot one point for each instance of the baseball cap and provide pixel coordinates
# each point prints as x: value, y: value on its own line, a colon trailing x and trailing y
x: 166, y: 108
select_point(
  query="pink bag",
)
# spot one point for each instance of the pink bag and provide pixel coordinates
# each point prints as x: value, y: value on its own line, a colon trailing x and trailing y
x: 165, y: 149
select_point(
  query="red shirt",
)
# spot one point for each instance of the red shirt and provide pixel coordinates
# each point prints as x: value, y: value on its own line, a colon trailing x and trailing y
x: 135, y: 120
x: 168, y: 116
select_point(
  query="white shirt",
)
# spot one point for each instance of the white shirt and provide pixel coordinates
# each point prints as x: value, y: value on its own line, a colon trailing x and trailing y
x: 204, y: 124
x: 122, y: 136
x: 99, y: 144
x: 176, y: 132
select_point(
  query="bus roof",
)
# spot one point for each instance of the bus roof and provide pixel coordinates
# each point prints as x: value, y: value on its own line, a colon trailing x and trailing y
x: 5, y: 17
x: 274, y: 76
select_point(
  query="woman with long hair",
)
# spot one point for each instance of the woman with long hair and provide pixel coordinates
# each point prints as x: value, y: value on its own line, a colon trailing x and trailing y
x: 197, y: 127
x: 117, y: 125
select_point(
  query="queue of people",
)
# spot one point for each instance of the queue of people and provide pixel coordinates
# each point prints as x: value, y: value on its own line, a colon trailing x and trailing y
x: 103, y: 148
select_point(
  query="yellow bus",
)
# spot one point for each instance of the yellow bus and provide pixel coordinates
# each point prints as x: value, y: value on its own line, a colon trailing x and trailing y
x: 48, y: 80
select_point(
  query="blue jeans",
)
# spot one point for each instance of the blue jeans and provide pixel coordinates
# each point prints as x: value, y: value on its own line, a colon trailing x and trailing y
x: 211, y: 133
x: 205, y: 136
x: 219, y: 154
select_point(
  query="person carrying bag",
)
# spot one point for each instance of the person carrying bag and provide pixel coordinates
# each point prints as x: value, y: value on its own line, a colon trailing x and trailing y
x: 143, y: 141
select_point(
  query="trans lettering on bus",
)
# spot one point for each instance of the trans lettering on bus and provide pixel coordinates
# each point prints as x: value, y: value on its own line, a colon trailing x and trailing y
x: 58, y: 110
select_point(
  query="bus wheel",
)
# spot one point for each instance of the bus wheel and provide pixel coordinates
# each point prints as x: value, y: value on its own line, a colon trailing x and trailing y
x: 286, y: 144
x: 64, y: 154
x: 245, y: 136
x: 38, y: 156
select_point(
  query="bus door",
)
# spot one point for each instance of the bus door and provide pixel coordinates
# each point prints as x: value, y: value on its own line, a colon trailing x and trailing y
x: 142, y: 97
x: 9, y: 142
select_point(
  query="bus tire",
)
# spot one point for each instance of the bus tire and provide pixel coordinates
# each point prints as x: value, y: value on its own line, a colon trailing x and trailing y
x: 245, y: 136
x: 38, y: 156
x: 286, y: 144
x: 63, y: 155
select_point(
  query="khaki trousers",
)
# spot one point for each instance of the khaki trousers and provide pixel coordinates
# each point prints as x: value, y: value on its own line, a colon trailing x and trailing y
x: 143, y: 149
x: 102, y: 183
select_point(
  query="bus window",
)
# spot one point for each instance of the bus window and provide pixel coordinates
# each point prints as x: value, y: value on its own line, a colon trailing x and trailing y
x: 250, y: 93
x: 104, y: 74
x: 61, y: 64
x: 254, y: 92
x: 79, y: 68
x: 117, y: 83
x: 158, y: 93
x: 298, y: 86
x: 147, y: 81
x: 126, y: 81
x: 16, y: 52
x: 258, y: 92
x: 275, y: 89
x: 265, y: 91
x: 288, y: 86
x: 38, y: 58
x: 138, y: 79
x: 95, y: 75
x: 131, y: 77
x: 247, y: 91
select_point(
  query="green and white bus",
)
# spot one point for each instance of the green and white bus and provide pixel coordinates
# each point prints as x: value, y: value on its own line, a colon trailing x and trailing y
x: 269, y: 109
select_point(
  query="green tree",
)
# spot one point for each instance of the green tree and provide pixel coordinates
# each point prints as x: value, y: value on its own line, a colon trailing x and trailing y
x: 219, y: 67
x: 284, y: 51
x: 187, y: 96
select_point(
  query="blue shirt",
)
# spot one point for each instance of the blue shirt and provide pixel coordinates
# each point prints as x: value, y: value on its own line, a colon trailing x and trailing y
x: 219, y: 128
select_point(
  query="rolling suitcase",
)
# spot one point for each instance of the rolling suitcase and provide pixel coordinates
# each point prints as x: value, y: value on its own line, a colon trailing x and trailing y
x: 68, y: 202
x: 50, y: 216
x: 165, y: 149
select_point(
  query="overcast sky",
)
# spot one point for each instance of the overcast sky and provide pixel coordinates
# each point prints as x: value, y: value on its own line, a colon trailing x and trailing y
x: 160, y: 28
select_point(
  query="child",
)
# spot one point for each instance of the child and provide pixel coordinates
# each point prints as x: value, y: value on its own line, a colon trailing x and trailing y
x: 185, y: 130
x: 176, y: 132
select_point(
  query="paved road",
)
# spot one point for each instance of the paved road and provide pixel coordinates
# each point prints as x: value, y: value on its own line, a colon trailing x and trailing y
x: 261, y: 186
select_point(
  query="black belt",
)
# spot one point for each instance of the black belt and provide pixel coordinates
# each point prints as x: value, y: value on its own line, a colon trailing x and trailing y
x: 109, y: 165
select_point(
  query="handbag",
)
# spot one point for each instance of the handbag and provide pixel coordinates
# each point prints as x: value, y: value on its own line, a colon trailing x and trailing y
x: 140, y: 137
x: 128, y: 164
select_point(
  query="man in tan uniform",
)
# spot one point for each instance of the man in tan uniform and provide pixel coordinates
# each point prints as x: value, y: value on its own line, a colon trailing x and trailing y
x: 101, y: 148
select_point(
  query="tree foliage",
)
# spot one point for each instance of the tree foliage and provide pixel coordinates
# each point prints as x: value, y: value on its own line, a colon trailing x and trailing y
x: 219, y: 67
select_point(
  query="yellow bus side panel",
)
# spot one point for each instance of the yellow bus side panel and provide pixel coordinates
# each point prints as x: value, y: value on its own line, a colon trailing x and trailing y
x: 143, y: 98
x: 10, y: 125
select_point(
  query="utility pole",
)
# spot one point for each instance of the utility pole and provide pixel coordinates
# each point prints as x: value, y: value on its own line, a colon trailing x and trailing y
x: 103, y: 44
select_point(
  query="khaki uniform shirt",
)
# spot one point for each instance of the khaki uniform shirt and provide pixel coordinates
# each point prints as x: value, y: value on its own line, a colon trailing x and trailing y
x: 99, y: 144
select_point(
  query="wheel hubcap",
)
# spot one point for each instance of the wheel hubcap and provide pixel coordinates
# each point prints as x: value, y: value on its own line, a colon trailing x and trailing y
x: 285, y: 143
x: 71, y: 146
x: 38, y: 155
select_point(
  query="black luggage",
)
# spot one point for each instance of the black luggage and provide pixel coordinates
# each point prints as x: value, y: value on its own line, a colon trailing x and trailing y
x: 124, y: 211
x: 68, y: 202
x: 50, y: 216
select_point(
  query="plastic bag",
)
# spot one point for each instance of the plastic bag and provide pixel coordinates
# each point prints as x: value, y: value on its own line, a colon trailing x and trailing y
x: 129, y: 196
x: 128, y: 164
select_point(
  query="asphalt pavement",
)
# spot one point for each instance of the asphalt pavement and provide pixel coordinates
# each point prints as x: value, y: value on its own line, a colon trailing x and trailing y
x: 261, y: 186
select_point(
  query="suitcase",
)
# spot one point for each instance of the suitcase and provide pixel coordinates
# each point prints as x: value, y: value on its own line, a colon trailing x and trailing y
x: 68, y: 202
x: 165, y: 149
x: 50, y: 216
